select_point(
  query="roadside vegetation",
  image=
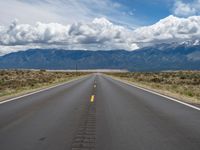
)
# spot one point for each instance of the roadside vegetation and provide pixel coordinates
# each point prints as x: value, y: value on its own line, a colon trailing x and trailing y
x: 184, y: 85
x: 16, y: 82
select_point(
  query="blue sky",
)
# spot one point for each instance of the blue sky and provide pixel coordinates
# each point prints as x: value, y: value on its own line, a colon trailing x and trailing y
x: 146, y: 11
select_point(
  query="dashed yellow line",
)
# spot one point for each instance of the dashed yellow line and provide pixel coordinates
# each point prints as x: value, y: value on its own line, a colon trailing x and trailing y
x: 92, y: 99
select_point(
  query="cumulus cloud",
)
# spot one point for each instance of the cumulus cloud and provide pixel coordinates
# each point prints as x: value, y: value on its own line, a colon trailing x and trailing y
x: 170, y: 29
x: 100, y: 34
x: 186, y: 9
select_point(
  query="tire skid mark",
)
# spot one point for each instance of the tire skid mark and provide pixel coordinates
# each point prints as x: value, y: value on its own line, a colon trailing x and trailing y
x: 85, y: 139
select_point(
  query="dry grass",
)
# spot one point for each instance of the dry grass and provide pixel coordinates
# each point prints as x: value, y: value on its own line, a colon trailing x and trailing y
x: 183, y: 85
x: 15, y: 82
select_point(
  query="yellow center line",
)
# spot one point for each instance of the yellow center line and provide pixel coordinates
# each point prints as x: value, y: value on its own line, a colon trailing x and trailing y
x: 92, y: 99
x: 95, y: 86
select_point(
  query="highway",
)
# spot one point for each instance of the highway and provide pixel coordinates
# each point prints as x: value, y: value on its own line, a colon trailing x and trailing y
x: 98, y: 113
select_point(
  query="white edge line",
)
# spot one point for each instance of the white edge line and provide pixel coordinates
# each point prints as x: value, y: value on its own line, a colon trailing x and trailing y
x: 156, y: 93
x: 38, y: 91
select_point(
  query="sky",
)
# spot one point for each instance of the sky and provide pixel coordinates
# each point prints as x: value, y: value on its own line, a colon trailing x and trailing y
x: 96, y: 24
x: 132, y: 13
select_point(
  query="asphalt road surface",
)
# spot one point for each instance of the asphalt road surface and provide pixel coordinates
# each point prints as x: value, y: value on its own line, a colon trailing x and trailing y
x: 97, y: 112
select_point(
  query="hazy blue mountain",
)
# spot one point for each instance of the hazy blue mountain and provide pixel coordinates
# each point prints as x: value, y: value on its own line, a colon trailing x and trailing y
x: 155, y: 58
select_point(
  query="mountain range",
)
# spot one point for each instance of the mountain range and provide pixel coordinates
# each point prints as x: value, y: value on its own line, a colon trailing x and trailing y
x: 161, y: 57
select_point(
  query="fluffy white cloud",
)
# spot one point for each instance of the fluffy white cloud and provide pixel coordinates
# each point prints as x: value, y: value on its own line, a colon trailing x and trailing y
x: 100, y: 34
x: 187, y: 9
x: 170, y: 29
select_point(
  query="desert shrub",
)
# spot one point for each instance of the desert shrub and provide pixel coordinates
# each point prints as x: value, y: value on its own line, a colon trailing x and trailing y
x: 156, y: 80
x: 14, y: 80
